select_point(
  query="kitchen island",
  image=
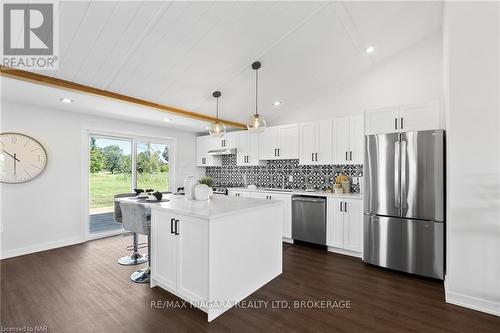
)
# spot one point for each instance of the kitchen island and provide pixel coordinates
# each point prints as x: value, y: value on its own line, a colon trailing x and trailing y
x: 215, y: 253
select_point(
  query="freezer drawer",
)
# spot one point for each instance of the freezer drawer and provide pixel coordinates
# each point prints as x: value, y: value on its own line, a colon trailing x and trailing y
x: 406, y: 245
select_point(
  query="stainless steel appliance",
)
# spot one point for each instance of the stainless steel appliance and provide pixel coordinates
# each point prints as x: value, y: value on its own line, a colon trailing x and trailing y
x: 309, y: 219
x: 404, y: 202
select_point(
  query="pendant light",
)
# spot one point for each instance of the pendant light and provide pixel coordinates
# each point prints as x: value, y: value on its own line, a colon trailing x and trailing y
x: 256, y: 123
x: 217, y: 129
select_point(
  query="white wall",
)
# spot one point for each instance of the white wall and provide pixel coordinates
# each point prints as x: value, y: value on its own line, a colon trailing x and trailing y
x: 412, y: 76
x: 472, y: 85
x: 47, y: 211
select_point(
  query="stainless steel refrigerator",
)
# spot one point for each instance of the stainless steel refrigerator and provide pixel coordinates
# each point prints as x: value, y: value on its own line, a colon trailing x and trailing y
x: 404, y: 202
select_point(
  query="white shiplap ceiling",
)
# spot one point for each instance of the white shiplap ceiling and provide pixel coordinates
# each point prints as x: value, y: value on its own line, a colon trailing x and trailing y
x: 177, y: 53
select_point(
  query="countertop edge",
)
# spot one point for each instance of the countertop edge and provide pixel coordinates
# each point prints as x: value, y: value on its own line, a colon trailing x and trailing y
x: 322, y: 194
x: 265, y: 203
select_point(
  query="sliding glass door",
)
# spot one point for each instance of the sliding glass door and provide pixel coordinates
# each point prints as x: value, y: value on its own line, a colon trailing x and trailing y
x: 117, y: 165
x: 152, y: 166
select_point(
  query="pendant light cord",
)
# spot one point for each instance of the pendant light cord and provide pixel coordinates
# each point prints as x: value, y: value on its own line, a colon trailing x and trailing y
x: 217, y: 115
x: 256, y: 90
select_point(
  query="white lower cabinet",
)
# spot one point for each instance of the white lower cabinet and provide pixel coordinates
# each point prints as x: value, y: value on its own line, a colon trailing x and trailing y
x: 344, y: 226
x: 236, y: 193
x: 182, y: 243
x: 287, y: 199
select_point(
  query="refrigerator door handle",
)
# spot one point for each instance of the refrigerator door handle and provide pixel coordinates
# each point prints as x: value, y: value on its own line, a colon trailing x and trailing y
x: 397, y: 170
x: 403, y: 174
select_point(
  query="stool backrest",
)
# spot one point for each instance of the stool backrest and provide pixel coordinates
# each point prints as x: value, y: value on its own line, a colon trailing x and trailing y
x: 135, y: 217
x: 117, y: 212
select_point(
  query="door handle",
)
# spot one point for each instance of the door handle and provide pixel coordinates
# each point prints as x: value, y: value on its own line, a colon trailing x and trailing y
x: 395, y: 123
x: 316, y: 157
x: 346, y: 156
x: 341, y: 206
x: 172, y: 226
x: 275, y: 152
x: 176, y: 227
x: 403, y: 175
x: 350, y: 156
x: 402, y: 123
x: 345, y: 207
x: 396, y: 174
x: 278, y: 152
x: 312, y: 157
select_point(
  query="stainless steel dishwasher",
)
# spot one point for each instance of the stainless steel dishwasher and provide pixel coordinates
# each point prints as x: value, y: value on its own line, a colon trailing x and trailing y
x: 309, y: 219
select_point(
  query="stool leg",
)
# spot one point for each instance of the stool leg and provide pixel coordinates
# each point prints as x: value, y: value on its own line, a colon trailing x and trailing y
x: 142, y: 275
x: 135, y: 258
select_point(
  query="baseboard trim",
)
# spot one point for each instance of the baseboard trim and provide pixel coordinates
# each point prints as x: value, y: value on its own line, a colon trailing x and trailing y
x: 39, y: 247
x: 472, y: 302
x: 344, y: 252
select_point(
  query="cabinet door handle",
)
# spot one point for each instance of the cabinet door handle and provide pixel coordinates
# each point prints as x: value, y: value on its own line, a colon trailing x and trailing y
x: 316, y: 154
x: 345, y: 207
x: 270, y: 197
x: 402, y: 123
x: 176, y: 227
x: 341, y: 206
x: 172, y: 226
x: 278, y: 152
x: 274, y: 151
x: 395, y: 123
x: 346, y: 157
x: 350, y: 155
x: 312, y: 156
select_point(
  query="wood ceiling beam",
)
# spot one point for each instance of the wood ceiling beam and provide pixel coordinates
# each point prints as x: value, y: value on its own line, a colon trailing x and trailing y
x: 22, y: 75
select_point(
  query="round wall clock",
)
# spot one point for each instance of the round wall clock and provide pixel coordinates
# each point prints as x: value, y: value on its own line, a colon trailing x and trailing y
x: 22, y: 158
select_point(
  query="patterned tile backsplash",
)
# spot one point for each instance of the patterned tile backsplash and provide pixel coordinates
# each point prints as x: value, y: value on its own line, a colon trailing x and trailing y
x: 273, y: 174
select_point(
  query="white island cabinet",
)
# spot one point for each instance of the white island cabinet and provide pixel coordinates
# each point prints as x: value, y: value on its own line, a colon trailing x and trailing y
x: 215, y: 253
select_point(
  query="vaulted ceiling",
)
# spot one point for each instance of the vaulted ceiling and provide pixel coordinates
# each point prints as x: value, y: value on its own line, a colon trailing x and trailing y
x: 178, y: 53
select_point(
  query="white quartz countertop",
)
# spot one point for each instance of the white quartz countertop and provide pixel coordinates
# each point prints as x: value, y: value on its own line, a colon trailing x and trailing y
x: 301, y: 192
x: 216, y: 207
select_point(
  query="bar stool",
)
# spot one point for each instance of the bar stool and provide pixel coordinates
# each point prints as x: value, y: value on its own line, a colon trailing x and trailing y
x: 135, y: 258
x: 137, y: 219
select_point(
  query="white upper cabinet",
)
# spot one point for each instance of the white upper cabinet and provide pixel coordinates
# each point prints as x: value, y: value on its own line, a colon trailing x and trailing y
x: 416, y: 117
x: 383, y: 120
x: 228, y: 141
x: 419, y: 117
x: 203, y: 145
x: 356, y: 140
x: 341, y: 140
x: 279, y: 143
x: 316, y: 139
x: 247, y: 148
x: 348, y: 135
x: 268, y: 143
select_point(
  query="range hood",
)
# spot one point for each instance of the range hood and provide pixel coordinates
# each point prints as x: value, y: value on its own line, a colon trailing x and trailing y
x: 223, y: 151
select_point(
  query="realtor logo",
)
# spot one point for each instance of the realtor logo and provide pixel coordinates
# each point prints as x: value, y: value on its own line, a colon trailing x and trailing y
x: 29, y: 32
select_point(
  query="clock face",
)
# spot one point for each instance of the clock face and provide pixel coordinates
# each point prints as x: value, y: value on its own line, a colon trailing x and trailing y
x: 22, y: 158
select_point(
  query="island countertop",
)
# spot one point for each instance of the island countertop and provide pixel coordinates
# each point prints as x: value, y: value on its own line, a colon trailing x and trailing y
x: 216, y: 207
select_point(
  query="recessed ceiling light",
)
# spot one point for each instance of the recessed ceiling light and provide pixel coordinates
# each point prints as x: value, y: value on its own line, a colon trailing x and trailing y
x: 166, y: 119
x: 370, y: 49
x: 277, y: 103
x: 66, y: 100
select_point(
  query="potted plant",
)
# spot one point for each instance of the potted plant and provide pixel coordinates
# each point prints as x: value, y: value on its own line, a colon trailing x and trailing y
x: 203, y: 190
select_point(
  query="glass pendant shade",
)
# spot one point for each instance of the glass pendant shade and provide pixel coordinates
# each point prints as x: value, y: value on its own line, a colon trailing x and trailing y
x: 256, y: 124
x: 217, y: 129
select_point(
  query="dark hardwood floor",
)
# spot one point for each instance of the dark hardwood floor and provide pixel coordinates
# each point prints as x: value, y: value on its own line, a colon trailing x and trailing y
x: 81, y: 288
